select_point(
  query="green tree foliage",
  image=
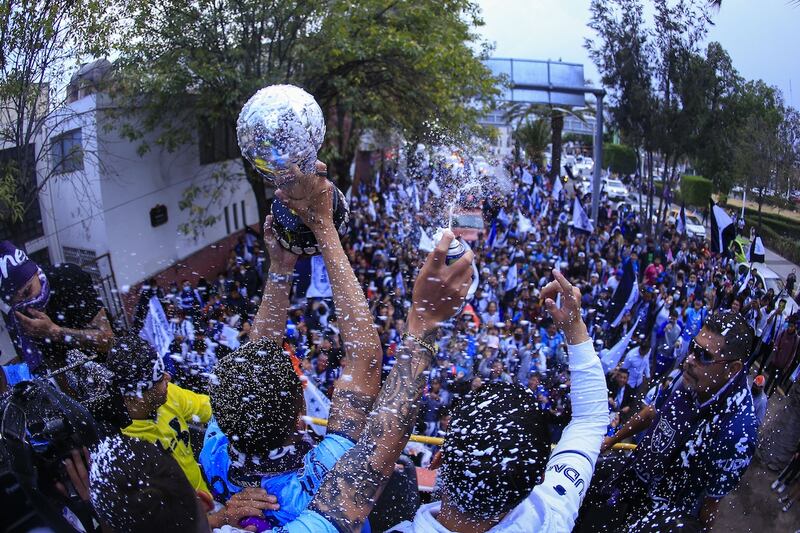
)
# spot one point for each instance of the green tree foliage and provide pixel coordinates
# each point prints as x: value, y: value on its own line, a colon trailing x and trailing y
x: 41, y: 42
x: 533, y: 137
x: 402, y: 65
x: 556, y: 116
x: 696, y: 190
x: 619, y: 158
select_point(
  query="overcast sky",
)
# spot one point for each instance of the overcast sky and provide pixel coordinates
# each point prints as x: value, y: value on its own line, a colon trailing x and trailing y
x: 761, y: 36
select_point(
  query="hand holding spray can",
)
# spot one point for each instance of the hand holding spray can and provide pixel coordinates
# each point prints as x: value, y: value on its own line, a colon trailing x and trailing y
x: 455, y: 252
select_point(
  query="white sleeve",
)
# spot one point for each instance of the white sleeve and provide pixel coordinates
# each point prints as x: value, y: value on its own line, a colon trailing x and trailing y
x: 569, y: 470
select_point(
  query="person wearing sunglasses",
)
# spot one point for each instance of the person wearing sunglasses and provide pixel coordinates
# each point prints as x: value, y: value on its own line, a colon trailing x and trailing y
x: 700, y: 435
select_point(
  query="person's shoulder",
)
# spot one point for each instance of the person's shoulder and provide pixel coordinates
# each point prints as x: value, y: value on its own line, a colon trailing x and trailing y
x: 65, y: 271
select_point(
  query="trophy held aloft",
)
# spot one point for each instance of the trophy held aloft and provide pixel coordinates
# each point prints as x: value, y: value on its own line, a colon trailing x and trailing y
x: 279, y: 126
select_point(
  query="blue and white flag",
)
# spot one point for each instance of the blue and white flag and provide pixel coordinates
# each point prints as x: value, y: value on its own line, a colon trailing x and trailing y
x: 490, y: 240
x: 434, y: 188
x: 757, y: 253
x: 378, y: 181
x: 610, y: 357
x: 625, y: 295
x: 156, y: 330
x: 680, y: 225
x: 512, y: 279
x: 399, y: 284
x: 390, y: 205
x: 373, y: 215
x: 557, y: 188
x: 527, y: 178
x: 580, y: 220
x: 503, y: 218
x: 320, y: 285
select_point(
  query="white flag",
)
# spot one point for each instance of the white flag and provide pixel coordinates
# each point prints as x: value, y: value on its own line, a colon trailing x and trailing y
x: 512, y: 279
x: 580, y: 220
x: 378, y: 181
x: 320, y: 286
x: 229, y: 337
x: 371, y: 210
x: 156, y: 328
x: 426, y: 244
x: 557, y: 187
x: 524, y: 224
x: 390, y: 205
x: 527, y: 179
x: 610, y: 357
x: 434, y: 188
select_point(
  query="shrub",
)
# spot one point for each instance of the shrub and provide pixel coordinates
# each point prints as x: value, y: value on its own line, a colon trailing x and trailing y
x: 695, y: 190
x: 676, y: 193
x: 619, y: 158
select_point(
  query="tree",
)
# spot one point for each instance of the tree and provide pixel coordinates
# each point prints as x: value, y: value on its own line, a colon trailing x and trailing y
x: 758, y: 139
x: 556, y: 116
x: 372, y: 64
x: 533, y: 136
x: 41, y: 42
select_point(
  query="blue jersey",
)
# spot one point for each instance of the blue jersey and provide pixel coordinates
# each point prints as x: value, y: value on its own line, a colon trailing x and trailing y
x: 694, y: 451
x: 294, y: 489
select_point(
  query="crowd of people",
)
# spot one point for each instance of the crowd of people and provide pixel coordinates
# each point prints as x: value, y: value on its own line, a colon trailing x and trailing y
x: 578, y: 336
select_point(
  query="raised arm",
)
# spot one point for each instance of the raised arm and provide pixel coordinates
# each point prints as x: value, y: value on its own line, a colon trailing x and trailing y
x: 571, y: 465
x: 270, y: 320
x: 350, y: 491
x: 355, y: 391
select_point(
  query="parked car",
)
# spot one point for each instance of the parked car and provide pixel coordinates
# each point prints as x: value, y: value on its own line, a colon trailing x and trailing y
x: 694, y: 225
x: 615, y: 190
x: 772, y: 280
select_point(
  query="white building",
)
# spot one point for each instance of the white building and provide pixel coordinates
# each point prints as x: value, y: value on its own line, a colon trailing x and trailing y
x: 98, y: 212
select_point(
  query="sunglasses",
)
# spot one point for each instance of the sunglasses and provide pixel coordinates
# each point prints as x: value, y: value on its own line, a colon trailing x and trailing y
x: 704, y: 357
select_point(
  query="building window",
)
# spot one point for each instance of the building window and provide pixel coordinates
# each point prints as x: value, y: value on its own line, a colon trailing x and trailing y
x: 227, y: 222
x: 67, y: 152
x: 244, y: 219
x: 217, y: 141
x: 235, y: 217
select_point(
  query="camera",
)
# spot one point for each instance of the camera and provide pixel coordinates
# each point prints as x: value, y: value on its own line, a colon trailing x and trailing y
x: 40, y: 428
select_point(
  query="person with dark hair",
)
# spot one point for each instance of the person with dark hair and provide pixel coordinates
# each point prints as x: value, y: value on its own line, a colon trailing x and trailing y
x: 135, y: 487
x: 161, y: 411
x: 621, y: 396
x: 701, y: 435
x: 50, y: 310
x: 257, y: 437
x: 496, y: 434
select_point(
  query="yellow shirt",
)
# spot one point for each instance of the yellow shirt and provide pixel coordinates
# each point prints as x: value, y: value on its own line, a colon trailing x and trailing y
x: 171, y: 432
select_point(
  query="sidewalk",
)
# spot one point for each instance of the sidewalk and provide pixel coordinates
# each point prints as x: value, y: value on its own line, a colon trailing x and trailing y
x: 753, y: 506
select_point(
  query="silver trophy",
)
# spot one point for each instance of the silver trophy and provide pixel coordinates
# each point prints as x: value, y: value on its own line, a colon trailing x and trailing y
x: 281, y: 126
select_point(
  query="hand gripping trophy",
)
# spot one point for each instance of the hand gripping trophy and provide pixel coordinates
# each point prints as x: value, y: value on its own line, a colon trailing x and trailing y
x: 281, y: 126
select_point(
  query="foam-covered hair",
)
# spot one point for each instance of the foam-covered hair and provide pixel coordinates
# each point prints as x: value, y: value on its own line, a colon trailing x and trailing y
x: 256, y: 397
x: 495, y: 451
x: 137, y: 487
